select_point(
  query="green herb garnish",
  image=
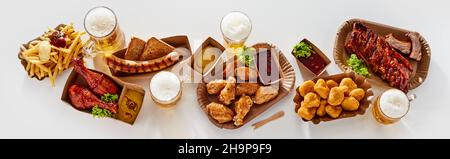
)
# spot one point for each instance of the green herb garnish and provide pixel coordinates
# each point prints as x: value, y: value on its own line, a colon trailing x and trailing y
x: 358, y: 66
x: 101, y: 113
x: 246, y: 55
x: 303, y: 50
x: 110, y: 98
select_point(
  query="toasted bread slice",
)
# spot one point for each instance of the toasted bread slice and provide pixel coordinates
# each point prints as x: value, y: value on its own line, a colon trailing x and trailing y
x: 155, y: 48
x: 135, y: 49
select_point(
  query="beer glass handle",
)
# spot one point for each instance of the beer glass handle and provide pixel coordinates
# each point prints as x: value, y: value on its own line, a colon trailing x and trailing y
x: 88, y: 49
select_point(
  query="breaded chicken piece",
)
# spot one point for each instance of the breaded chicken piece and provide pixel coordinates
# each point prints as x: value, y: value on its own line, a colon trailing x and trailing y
x: 216, y: 86
x: 246, y: 88
x: 242, y: 107
x: 246, y: 73
x: 220, y: 112
x: 265, y: 94
x: 228, y: 93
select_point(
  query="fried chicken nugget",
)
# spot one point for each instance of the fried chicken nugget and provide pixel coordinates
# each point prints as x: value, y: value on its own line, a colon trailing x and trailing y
x: 336, y: 95
x: 306, y: 87
x: 220, y: 112
x: 357, y: 93
x: 306, y: 113
x: 322, y: 89
x: 349, y: 83
x: 332, y: 83
x: 321, y: 110
x: 333, y: 111
x: 350, y: 104
x: 312, y: 100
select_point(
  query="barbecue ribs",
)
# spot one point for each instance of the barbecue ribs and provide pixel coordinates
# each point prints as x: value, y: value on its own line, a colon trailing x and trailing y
x: 380, y: 56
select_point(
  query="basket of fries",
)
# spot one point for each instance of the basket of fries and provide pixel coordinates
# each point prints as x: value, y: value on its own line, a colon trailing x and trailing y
x: 51, y: 53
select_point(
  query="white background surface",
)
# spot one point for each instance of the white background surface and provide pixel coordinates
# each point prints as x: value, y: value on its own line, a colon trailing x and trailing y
x: 33, y: 109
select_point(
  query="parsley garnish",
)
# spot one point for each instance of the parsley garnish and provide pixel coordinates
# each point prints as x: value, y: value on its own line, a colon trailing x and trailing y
x: 303, y: 50
x: 110, y: 98
x: 246, y: 55
x: 358, y: 66
x: 101, y: 113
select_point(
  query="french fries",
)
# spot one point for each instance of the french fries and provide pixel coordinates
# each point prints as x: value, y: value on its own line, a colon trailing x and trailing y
x: 60, y: 57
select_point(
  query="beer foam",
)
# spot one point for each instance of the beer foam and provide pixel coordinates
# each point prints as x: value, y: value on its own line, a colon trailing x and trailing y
x: 394, y: 103
x: 236, y: 26
x: 100, y: 22
x: 165, y: 86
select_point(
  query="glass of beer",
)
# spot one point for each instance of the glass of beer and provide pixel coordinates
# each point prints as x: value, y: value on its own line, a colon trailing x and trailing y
x: 235, y: 27
x: 104, y: 31
x: 391, y: 106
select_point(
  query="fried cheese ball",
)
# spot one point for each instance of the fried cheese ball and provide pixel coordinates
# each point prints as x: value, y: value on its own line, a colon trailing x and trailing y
x: 321, y: 88
x: 311, y: 100
x: 357, y: 93
x: 349, y: 83
x: 321, y: 110
x: 306, y: 113
x: 333, y: 111
x: 332, y: 83
x: 350, y: 104
x: 336, y: 95
x: 306, y: 87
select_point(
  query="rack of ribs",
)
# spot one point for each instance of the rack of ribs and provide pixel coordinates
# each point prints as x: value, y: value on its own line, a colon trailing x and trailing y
x: 379, y: 56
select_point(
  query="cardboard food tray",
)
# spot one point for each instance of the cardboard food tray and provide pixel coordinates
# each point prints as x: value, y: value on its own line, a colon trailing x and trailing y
x: 364, y: 103
x: 75, y: 78
x: 286, y: 84
x: 24, y: 62
x: 317, y: 51
x: 208, y: 42
x: 420, y: 69
x: 180, y: 42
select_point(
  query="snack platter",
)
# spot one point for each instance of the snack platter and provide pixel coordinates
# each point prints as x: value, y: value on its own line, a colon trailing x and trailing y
x: 119, y: 65
x: 360, y: 81
x: 285, y: 84
x: 130, y: 96
x: 238, y: 82
x: 60, y: 55
x: 419, y: 68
